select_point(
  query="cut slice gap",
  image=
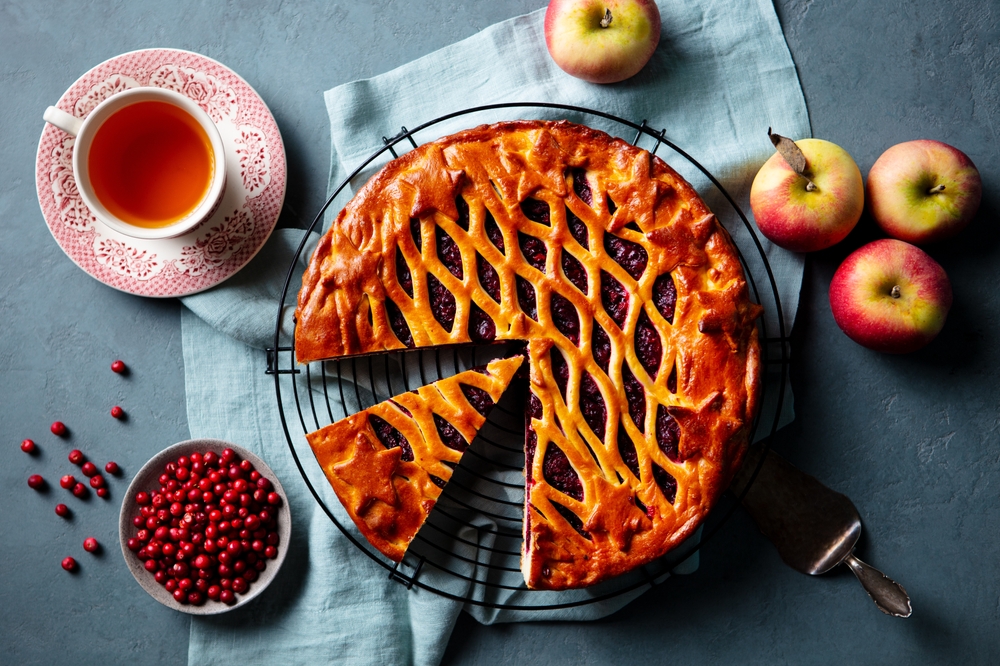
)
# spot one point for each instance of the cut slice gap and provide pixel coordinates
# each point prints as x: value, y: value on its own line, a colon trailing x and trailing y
x: 397, y: 322
x: 565, y: 317
x: 536, y: 211
x: 448, y: 252
x: 627, y: 254
x: 442, y: 302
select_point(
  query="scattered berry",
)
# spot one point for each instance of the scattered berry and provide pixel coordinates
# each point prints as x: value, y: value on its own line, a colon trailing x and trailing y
x: 58, y: 428
x: 69, y: 564
x: 76, y: 456
x: 36, y: 481
x: 28, y: 446
x: 102, y: 492
x: 80, y: 490
x: 112, y: 467
x: 97, y: 481
x: 67, y: 482
x: 90, y: 545
x: 117, y: 412
x: 89, y: 469
x: 62, y: 511
x: 118, y: 367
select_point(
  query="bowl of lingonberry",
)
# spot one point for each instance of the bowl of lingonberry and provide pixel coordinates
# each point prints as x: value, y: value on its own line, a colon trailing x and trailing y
x: 204, y: 526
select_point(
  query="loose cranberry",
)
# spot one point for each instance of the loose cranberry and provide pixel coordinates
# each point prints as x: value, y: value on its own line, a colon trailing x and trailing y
x: 117, y: 412
x: 28, y: 446
x: 270, y: 552
x: 228, y: 455
x: 89, y: 469
x: 274, y: 499
x: 112, y: 468
x: 103, y: 492
x: 210, y: 458
x: 58, y: 428
x: 80, y: 490
x: 67, y: 481
x: 97, y: 481
x: 62, y: 511
x: 36, y: 481
x: 118, y: 367
x: 90, y: 545
x: 141, y: 498
x: 180, y: 596
x: 246, y: 466
x: 213, y: 592
x: 69, y: 564
x: 76, y: 456
x: 133, y: 544
x: 255, y: 476
x: 227, y: 597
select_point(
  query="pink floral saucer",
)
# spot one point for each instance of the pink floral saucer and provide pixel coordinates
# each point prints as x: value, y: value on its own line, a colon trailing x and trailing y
x: 220, y: 246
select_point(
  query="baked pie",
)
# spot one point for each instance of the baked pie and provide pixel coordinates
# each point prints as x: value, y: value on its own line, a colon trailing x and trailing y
x: 641, y: 341
x: 389, y: 463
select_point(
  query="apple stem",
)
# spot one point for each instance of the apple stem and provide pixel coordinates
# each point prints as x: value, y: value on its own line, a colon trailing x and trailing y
x: 606, y: 21
x: 810, y: 186
x: 895, y: 293
x: 936, y: 189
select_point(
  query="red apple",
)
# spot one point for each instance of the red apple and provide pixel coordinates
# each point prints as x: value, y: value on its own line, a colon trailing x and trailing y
x: 923, y: 191
x: 890, y: 296
x: 802, y: 217
x: 602, y: 41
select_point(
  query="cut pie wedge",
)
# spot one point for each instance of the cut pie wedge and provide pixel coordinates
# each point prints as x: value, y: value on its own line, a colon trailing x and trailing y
x: 389, y: 463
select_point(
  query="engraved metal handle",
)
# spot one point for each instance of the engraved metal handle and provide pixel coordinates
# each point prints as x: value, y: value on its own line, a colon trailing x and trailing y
x: 888, y: 595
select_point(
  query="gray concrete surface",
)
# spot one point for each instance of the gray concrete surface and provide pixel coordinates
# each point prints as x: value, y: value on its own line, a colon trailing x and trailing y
x: 913, y: 439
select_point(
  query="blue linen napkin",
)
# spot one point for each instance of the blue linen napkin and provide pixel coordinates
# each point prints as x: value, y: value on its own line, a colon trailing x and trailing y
x: 721, y: 76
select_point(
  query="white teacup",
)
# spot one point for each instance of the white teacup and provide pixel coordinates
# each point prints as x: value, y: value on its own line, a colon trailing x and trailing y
x: 147, y: 137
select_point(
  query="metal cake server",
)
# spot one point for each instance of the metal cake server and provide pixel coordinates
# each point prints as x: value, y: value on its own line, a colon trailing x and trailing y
x: 813, y: 527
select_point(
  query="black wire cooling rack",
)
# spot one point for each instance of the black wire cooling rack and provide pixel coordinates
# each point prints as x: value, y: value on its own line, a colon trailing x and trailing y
x: 469, y: 547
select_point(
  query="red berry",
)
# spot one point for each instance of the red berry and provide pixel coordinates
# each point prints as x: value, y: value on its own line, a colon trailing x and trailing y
x: 213, y: 592
x: 142, y: 498
x: 36, y: 481
x: 67, y: 481
x: 273, y: 498
x: 180, y: 596
x: 76, y: 456
x: 102, y: 492
x: 133, y: 544
x: 270, y: 552
x: 58, y: 428
x: 118, y: 367
x: 69, y: 564
x: 112, y: 467
x: 89, y: 469
x: 117, y: 412
x: 62, y: 510
x: 97, y: 481
x: 227, y: 596
x: 28, y: 446
x: 240, y: 585
x: 90, y: 545
x: 80, y: 490
x: 151, y: 564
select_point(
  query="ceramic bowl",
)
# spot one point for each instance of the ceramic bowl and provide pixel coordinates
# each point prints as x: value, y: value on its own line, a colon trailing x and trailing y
x: 147, y: 479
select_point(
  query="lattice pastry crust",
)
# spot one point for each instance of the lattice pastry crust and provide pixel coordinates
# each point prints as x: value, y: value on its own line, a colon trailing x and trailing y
x: 644, y: 358
x: 389, y: 463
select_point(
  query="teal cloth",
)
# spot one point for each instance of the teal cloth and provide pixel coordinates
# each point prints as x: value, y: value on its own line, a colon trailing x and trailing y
x: 721, y: 76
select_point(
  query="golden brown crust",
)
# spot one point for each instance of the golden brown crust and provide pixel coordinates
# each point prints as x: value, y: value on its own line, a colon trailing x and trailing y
x: 371, y: 261
x: 387, y: 495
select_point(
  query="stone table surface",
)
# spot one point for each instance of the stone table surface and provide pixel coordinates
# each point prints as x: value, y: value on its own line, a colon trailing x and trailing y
x: 913, y: 440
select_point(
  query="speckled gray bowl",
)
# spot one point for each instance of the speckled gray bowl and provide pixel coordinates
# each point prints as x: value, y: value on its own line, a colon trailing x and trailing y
x: 147, y: 479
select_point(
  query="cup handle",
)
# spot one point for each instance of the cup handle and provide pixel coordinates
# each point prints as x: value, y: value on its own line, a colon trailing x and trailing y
x: 64, y: 121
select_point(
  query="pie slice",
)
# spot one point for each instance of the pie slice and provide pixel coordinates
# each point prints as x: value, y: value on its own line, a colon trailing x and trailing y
x: 389, y: 463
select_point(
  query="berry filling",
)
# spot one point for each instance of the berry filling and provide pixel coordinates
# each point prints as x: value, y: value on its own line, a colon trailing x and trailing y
x: 577, y: 229
x: 536, y: 211
x: 582, y: 187
x: 442, y: 303
x: 668, y: 433
x: 574, y: 271
x: 390, y: 437
x: 533, y: 250
x: 665, y: 296
x: 481, y: 326
x: 666, y: 482
x: 572, y: 519
x: 672, y: 380
x: 448, y: 252
x: 630, y: 256
x: 463, y: 213
x: 612, y: 207
x: 559, y: 473
x: 403, y: 274
x: 526, y: 297
x: 636, y: 398
x: 600, y: 347
x: 565, y: 317
x: 398, y: 323
x: 560, y: 370
x: 451, y: 437
x: 493, y: 233
x: 478, y: 398
x: 614, y: 298
x: 626, y: 449
x: 592, y: 405
x: 648, y: 347
x: 437, y: 481
x: 401, y: 408
x: 488, y: 278
x: 415, y: 232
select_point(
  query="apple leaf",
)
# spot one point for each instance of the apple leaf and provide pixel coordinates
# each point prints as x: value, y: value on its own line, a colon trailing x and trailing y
x: 790, y: 152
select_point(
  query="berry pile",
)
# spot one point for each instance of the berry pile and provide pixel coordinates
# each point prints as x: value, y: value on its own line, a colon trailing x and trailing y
x: 209, y: 529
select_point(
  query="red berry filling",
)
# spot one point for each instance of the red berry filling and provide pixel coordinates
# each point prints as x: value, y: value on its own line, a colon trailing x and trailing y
x: 536, y: 211
x: 403, y: 274
x: 648, y: 347
x: 668, y: 433
x: 415, y: 232
x: 666, y: 482
x: 629, y: 255
x: 481, y: 325
x: 559, y: 473
x: 578, y: 229
x: 488, y: 277
x: 626, y: 449
x: 478, y: 398
x: 636, y: 398
x: 463, y: 213
x: 672, y: 380
x: 533, y: 250
x: 665, y: 296
x: 390, y: 437
x: 442, y: 303
x: 614, y: 298
x: 560, y: 370
x: 592, y: 405
x: 526, y: 297
x: 450, y: 436
x: 572, y: 519
x: 398, y: 324
x: 581, y: 186
x: 574, y: 271
x: 448, y: 252
x: 493, y: 233
x: 600, y: 347
x: 565, y: 317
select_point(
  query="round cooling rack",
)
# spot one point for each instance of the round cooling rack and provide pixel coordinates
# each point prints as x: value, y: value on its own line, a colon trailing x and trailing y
x: 469, y: 548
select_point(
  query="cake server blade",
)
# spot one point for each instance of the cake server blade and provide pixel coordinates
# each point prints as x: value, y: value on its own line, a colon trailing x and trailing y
x: 813, y: 527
